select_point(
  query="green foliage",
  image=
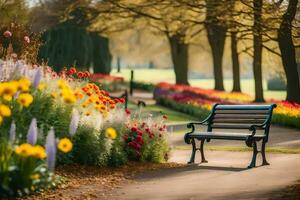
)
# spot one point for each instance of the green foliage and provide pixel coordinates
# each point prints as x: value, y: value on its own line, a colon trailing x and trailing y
x: 69, y: 45
x: 13, y: 10
x: 143, y: 86
x: 285, y: 120
x: 155, y: 150
x: 89, y: 147
x: 101, y: 54
x: 198, y: 112
x: 46, y: 111
x: 21, y: 175
x: 66, y: 45
x: 117, y: 154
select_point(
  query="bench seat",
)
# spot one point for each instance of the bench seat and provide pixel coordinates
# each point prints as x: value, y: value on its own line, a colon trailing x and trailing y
x: 241, y: 123
x: 223, y: 135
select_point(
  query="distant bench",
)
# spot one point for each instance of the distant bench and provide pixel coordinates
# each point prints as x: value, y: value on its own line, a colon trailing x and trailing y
x: 249, y: 117
x: 123, y: 95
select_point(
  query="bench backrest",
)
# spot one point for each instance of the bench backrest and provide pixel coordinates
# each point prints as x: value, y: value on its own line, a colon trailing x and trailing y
x: 240, y: 116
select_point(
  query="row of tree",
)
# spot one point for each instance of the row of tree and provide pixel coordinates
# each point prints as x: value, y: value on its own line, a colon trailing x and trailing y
x: 265, y: 25
x: 58, y: 31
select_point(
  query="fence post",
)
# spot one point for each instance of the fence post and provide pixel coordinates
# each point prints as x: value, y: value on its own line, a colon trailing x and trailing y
x: 131, y: 82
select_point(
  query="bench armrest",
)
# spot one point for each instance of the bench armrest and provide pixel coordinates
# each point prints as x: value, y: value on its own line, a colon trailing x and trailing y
x: 192, y: 126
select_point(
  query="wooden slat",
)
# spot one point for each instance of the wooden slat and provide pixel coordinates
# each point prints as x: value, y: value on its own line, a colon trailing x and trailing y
x: 240, y: 116
x: 242, y: 111
x: 239, y: 121
x: 231, y: 126
x: 243, y: 107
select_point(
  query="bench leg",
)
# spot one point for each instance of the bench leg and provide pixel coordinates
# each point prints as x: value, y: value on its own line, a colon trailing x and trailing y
x: 192, y: 160
x: 263, y: 153
x: 253, y: 161
x: 202, y: 152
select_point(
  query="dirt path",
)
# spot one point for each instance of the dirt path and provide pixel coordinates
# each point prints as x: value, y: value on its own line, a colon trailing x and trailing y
x: 224, y: 177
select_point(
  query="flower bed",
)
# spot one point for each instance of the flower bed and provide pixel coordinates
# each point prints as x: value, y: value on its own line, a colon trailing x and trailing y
x: 49, y: 119
x: 189, y: 100
x: 108, y: 82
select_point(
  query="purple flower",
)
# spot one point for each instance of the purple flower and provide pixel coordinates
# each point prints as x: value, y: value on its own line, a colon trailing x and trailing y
x: 12, y: 132
x: 74, y: 122
x: 37, y: 77
x: 51, y: 149
x: 32, y: 132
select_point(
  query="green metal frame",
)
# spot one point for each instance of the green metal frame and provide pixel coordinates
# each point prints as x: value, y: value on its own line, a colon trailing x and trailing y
x: 251, y: 140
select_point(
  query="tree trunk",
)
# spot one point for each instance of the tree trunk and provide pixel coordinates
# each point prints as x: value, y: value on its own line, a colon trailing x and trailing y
x: 179, y: 54
x: 235, y: 64
x: 287, y: 50
x: 216, y: 34
x: 257, y: 45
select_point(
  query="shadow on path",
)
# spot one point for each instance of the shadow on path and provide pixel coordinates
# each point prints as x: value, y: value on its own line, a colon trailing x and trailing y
x: 165, y: 173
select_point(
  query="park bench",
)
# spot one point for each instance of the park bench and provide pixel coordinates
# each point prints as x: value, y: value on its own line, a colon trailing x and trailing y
x: 252, y: 118
x: 123, y: 95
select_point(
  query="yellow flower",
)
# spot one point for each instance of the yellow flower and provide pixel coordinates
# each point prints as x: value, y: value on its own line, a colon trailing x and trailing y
x: 42, y: 86
x: 65, y: 145
x: 1, y: 120
x: 62, y: 84
x: 25, y: 99
x: 111, y: 133
x: 5, y: 110
x: 34, y: 176
x: 24, y: 150
x: 9, y: 88
x: 68, y: 96
x: 7, y: 97
x: 53, y: 95
x: 39, y: 152
x: 24, y: 84
x: 69, y: 99
x: 88, y: 113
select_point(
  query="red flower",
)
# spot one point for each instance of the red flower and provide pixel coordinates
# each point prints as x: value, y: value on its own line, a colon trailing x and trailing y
x: 147, y: 130
x: 134, y: 129
x: 127, y: 111
x: 139, y: 132
x: 122, y: 100
x: 80, y: 74
x: 72, y: 70
x: 161, y: 129
x: 7, y: 34
x: 87, y: 74
x: 140, y: 140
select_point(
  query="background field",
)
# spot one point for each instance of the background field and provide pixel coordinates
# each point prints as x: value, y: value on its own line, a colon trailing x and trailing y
x: 159, y: 75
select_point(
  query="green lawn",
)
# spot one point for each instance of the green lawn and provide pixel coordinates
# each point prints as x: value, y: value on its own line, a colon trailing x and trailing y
x: 173, y: 116
x: 280, y: 150
x: 158, y: 75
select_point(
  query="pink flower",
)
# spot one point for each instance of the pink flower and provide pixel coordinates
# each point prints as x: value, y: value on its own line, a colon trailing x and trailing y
x: 27, y: 39
x: 7, y: 34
